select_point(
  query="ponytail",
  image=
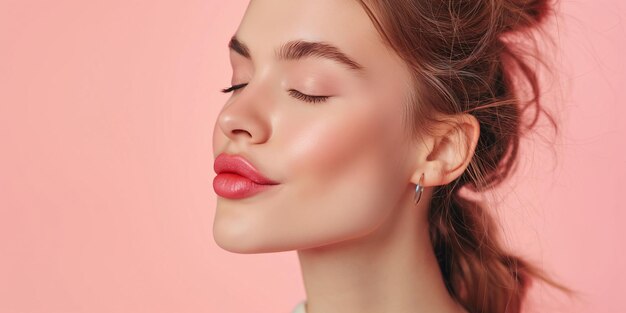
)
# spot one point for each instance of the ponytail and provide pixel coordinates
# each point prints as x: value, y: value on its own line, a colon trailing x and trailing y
x: 476, y: 269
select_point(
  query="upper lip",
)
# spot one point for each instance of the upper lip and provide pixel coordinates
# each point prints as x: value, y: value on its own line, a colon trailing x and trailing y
x: 233, y: 163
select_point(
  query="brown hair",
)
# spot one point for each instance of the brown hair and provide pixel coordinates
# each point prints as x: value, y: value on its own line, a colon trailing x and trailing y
x: 460, y: 62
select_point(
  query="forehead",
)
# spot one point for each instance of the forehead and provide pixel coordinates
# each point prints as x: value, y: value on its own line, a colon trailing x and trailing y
x: 268, y: 24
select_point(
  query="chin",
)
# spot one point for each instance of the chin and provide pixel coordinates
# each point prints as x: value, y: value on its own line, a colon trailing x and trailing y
x: 249, y: 248
x: 245, y: 242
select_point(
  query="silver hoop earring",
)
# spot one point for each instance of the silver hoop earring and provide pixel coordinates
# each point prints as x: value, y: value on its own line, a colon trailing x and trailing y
x: 418, y: 189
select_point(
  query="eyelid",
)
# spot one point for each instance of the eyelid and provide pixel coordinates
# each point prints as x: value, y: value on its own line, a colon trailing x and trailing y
x: 308, y: 98
x: 293, y: 92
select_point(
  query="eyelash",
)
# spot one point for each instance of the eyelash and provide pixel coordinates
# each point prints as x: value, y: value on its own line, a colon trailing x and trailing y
x: 294, y: 93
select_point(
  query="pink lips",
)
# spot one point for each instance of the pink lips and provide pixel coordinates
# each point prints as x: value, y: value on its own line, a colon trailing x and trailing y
x: 237, y: 178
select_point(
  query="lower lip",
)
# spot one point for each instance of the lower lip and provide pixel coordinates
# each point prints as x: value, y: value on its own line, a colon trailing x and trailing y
x: 234, y: 186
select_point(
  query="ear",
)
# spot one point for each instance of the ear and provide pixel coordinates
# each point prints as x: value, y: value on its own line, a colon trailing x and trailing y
x: 447, y: 152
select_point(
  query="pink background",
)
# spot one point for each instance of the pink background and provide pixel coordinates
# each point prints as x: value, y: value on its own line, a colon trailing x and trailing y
x: 106, y: 204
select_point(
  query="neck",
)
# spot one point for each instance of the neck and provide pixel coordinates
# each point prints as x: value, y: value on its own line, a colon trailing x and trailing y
x: 392, y: 269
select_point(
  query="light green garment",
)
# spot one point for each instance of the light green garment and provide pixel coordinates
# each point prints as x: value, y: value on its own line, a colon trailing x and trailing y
x: 300, y: 308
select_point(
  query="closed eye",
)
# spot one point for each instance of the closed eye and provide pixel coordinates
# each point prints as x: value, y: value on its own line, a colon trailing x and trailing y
x: 233, y: 87
x: 314, y: 99
x: 294, y: 93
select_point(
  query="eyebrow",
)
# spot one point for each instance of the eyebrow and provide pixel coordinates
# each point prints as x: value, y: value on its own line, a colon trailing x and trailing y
x: 299, y: 49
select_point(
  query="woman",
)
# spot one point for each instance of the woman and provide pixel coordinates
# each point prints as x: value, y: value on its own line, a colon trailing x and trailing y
x: 351, y: 131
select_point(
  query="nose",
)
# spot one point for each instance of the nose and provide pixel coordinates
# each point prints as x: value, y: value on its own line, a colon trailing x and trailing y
x: 244, y: 120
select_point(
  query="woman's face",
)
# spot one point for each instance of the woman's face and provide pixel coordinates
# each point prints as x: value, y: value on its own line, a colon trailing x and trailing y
x: 340, y: 163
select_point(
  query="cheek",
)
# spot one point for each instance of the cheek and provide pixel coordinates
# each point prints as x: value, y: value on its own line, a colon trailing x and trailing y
x: 325, y: 143
x: 344, y: 169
